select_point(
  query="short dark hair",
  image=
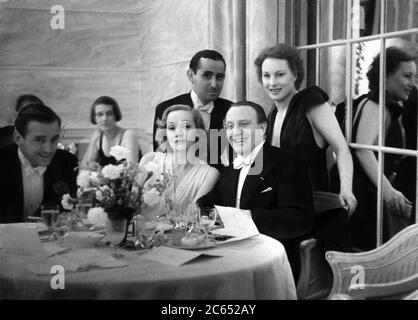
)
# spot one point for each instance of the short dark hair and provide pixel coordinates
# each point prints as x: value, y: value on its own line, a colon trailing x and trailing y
x: 34, y: 112
x: 261, y: 114
x: 107, y: 101
x: 284, y: 52
x: 197, y: 118
x: 208, y: 54
x: 25, y: 99
x: 394, y: 57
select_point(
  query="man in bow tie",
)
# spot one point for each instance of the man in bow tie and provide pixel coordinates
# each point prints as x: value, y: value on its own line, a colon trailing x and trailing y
x: 270, y: 182
x: 206, y: 74
x: 34, y: 171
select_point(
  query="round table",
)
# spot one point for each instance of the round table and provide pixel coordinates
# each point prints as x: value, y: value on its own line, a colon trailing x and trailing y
x: 254, y: 268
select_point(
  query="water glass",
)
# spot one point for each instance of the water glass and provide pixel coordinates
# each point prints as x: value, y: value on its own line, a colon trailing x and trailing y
x: 49, y: 215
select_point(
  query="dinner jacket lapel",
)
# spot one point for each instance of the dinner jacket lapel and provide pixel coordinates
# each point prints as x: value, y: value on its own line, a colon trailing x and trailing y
x: 255, y: 178
x: 14, y: 178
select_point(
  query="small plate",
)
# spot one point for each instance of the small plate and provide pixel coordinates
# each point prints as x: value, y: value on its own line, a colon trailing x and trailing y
x: 203, y: 245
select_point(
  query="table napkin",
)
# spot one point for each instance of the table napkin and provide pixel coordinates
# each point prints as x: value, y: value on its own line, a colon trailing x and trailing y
x: 173, y: 256
x: 77, y: 261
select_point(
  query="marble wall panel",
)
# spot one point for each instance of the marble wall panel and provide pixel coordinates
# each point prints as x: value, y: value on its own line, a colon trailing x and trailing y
x: 89, y: 40
x: 71, y: 94
x: 176, y: 31
x: 127, y: 6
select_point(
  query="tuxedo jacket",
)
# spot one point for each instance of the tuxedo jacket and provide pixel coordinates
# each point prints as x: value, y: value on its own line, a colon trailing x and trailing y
x: 279, y: 197
x: 60, y: 177
x: 220, y: 107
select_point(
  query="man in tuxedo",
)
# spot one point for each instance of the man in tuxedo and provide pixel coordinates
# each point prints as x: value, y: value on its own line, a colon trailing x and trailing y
x: 206, y: 74
x: 34, y: 171
x: 270, y: 182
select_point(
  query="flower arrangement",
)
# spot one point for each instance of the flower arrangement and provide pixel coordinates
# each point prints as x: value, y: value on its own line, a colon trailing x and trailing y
x: 117, y: 189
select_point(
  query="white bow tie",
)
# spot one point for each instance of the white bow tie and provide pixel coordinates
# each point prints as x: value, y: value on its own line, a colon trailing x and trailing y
x: 240, y: 162
x: 208, y: 108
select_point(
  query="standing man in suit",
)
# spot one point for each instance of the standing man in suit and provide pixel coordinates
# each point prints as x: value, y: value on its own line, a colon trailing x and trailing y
x: 34, y: 171
x: 270, y: 182
x: 206, y: 73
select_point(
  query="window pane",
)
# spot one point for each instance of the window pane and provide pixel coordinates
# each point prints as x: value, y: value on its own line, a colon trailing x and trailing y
x: 401, y: 15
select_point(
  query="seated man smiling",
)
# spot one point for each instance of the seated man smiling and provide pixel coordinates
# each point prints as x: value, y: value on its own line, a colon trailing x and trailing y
x: 34, y: 171
x: 270, y: 182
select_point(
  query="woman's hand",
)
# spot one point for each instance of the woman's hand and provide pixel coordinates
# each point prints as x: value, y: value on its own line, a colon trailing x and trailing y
x: 396, y: 202
x: 348, y: 201
x: 95, y: 137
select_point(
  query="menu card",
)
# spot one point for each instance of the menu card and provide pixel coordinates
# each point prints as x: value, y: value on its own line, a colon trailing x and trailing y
x: 172, y: 256
x: 238, y: 224
x: 15, y: 239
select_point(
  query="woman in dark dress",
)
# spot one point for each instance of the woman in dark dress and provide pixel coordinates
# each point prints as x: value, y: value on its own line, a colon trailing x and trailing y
x: 400, y: 74
x: 105, y: 113
x: 303, y: 120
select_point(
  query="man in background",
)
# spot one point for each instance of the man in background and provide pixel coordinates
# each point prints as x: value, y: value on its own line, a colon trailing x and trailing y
x: 206, y: 74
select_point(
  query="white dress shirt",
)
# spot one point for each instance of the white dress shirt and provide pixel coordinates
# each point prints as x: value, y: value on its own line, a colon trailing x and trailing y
x: 204, y: 110
x: 244, y: 163
x: 33, y: 185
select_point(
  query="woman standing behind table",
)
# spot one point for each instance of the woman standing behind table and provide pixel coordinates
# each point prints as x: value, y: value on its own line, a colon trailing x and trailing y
x: 105, y: 113
x: 400, y: 73
x: 193, y: 177
x: 303, y: 120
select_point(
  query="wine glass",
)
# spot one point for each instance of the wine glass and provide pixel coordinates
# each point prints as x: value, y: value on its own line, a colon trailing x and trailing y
x: 207, y: 218
x: 115, y: 233
x: 177, y: 215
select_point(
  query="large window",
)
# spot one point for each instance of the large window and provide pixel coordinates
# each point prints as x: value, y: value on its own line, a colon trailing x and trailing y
x: 339, y: 39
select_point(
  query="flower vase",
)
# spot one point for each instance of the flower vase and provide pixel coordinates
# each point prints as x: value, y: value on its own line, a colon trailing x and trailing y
x: 116, y: 230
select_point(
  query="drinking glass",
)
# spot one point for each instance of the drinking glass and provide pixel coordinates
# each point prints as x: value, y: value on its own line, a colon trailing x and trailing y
x: 177, y: 215
x: 207, y: 218
x: 115, y: 233
x: 49, y: 215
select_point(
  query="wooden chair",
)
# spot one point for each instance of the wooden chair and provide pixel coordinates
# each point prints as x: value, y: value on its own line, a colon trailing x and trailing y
x: 389, y: 271
x: 315, y: 277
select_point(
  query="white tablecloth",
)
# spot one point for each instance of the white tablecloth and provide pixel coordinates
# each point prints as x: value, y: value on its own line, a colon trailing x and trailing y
x: 255, y: 268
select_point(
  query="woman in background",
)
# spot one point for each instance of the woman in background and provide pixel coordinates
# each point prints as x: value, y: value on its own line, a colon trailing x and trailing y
x: 400, y: 75
x: 303, y: 120
x: 105, y: 113
x: 193, y: 177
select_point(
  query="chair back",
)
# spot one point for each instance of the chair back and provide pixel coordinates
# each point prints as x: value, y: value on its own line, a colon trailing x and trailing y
x: 394, y: 261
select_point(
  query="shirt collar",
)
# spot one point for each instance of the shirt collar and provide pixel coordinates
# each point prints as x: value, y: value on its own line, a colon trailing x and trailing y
x: 197, y: 102
x: 241, y: 161
x: 28, y: 166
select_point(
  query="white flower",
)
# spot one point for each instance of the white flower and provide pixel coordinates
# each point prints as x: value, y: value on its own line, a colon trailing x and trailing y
x: 119, y: 152
x: 97, y: 217
x: 151, y: 166
x: 112, y: 172
x: 94, y: 177
x: 72, y: 148
x: 151, y: 197
x: 99, y: 195
x: 83, y: 179
x: 65, y: 202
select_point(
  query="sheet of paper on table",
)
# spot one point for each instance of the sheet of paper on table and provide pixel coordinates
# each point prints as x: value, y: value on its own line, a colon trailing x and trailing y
x: 20, y: 240
x: 238, y: 224
x: 173, y: 256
